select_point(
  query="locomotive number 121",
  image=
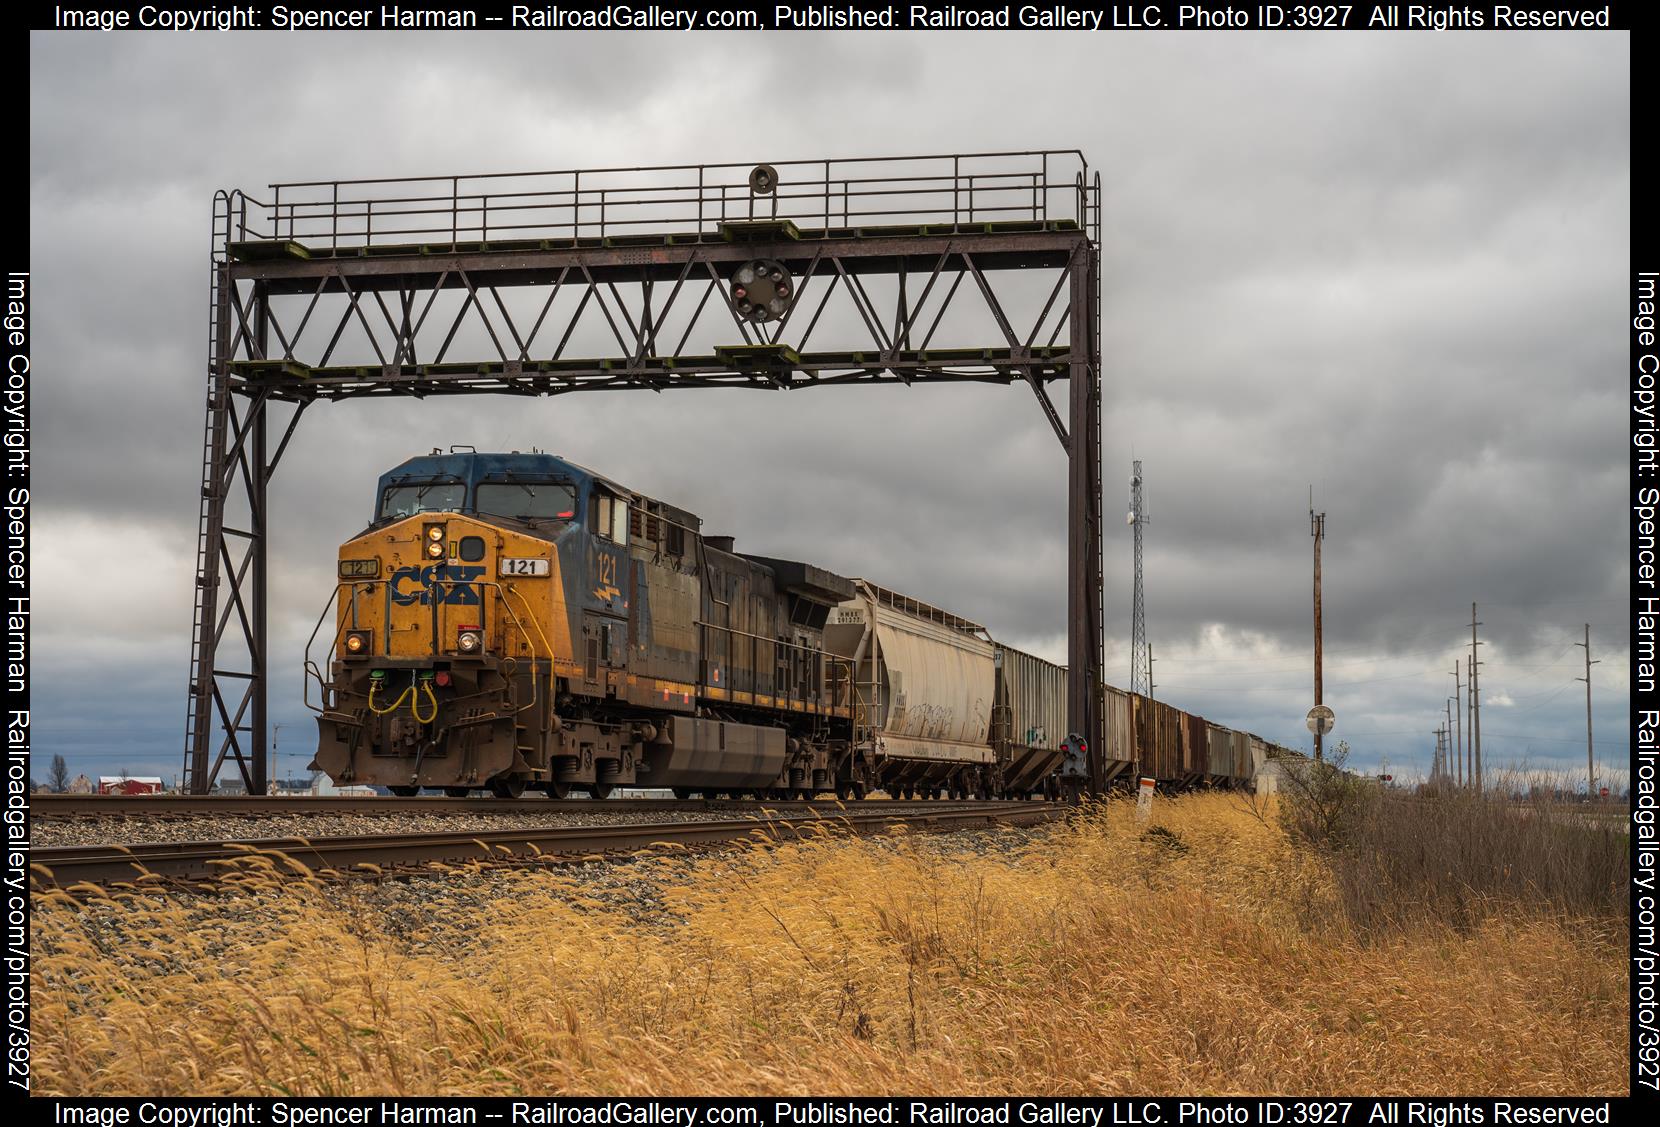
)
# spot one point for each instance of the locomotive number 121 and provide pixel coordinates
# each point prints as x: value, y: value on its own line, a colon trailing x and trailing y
x: 523, y: 566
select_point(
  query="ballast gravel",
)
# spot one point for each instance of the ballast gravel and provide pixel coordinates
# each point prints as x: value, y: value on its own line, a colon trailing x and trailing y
x: 49, y: 833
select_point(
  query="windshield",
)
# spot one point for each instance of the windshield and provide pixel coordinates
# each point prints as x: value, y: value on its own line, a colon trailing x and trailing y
x: 406, y: 500
x: 527, y: 500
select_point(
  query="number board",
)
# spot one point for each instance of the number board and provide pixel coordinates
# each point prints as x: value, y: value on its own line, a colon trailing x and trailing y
x: 523, y: 566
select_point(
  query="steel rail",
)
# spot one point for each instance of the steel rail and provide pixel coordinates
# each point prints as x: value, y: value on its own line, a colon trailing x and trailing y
x: 53, y: 806
x: 374, y: 854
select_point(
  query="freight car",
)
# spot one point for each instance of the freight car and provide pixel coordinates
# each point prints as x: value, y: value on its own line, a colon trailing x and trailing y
x: 515, y: 621
x: 919, y: 682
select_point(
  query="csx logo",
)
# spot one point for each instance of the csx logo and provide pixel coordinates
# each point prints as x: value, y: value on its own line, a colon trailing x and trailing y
x: 455, y: 589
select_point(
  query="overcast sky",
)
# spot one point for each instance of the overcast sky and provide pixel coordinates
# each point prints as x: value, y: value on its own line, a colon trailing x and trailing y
x: 1391, y: 266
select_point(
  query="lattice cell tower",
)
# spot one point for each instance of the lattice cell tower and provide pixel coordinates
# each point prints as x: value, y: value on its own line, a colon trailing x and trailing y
x: 1141, y: 658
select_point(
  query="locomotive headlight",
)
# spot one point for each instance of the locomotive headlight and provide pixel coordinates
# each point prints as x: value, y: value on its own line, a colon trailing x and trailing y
x: 359, y: 642
x: 434, y: 534
x: 468, y: 639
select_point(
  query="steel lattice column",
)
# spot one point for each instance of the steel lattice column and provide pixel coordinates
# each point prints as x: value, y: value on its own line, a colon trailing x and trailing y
x: 1084, y: 573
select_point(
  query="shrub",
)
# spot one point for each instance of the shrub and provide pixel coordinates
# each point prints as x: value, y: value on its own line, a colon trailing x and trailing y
x: 1322, y: 803
x: 1454, y: 856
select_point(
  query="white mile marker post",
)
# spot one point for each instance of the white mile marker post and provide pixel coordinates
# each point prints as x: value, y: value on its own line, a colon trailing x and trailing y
x: 1144, y: 801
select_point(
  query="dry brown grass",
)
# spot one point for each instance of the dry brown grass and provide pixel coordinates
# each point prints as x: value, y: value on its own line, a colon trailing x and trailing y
x: 1203, y: 958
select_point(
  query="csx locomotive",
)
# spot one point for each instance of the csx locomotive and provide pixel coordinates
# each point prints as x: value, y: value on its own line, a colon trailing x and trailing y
x: 515, y: 621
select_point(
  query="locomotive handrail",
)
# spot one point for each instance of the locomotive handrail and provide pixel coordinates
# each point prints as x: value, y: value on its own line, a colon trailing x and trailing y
x: 501, y: 592
x: 735, y: 632
x: 310, y: 667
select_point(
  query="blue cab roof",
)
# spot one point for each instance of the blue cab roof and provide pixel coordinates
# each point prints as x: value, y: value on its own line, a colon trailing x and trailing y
x: 473, y: 468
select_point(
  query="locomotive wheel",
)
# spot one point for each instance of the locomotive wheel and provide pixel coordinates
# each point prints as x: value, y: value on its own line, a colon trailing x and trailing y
x: 405, y: 792
x: 456, y: 792
x: 858, y: 792
x: 558, y: 790
x: 684, y: 794
x: 844, y: 791
x: 600, y: 790
x: 510, y: 787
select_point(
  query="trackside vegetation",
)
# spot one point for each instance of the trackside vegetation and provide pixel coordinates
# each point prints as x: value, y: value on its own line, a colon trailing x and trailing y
x: 1215, y: 949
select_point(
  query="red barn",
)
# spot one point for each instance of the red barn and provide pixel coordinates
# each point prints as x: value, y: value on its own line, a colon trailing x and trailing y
x: 114, y: 784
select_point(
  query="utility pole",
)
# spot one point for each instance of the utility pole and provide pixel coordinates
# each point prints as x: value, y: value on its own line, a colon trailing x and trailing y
x: 1317, y: 529
x: 1141, y: 653
x: 1450, y: 751
x: 276, y: 763
x: 1469, y: 705
x: 1458, y: 725
x: 1475, y: 697
x: 1590, y: 763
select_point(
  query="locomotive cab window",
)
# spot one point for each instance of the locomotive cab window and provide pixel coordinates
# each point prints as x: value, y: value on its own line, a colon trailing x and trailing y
x: 527, y: 500
x: 608, y: 517
x: 422, y: 497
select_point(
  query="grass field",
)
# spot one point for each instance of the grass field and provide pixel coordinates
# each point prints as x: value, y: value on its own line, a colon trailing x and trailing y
x: 1205, y: 953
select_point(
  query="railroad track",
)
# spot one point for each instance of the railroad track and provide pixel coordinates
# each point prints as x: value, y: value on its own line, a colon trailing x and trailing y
x: 54, y: 806
x: 373, y: 854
